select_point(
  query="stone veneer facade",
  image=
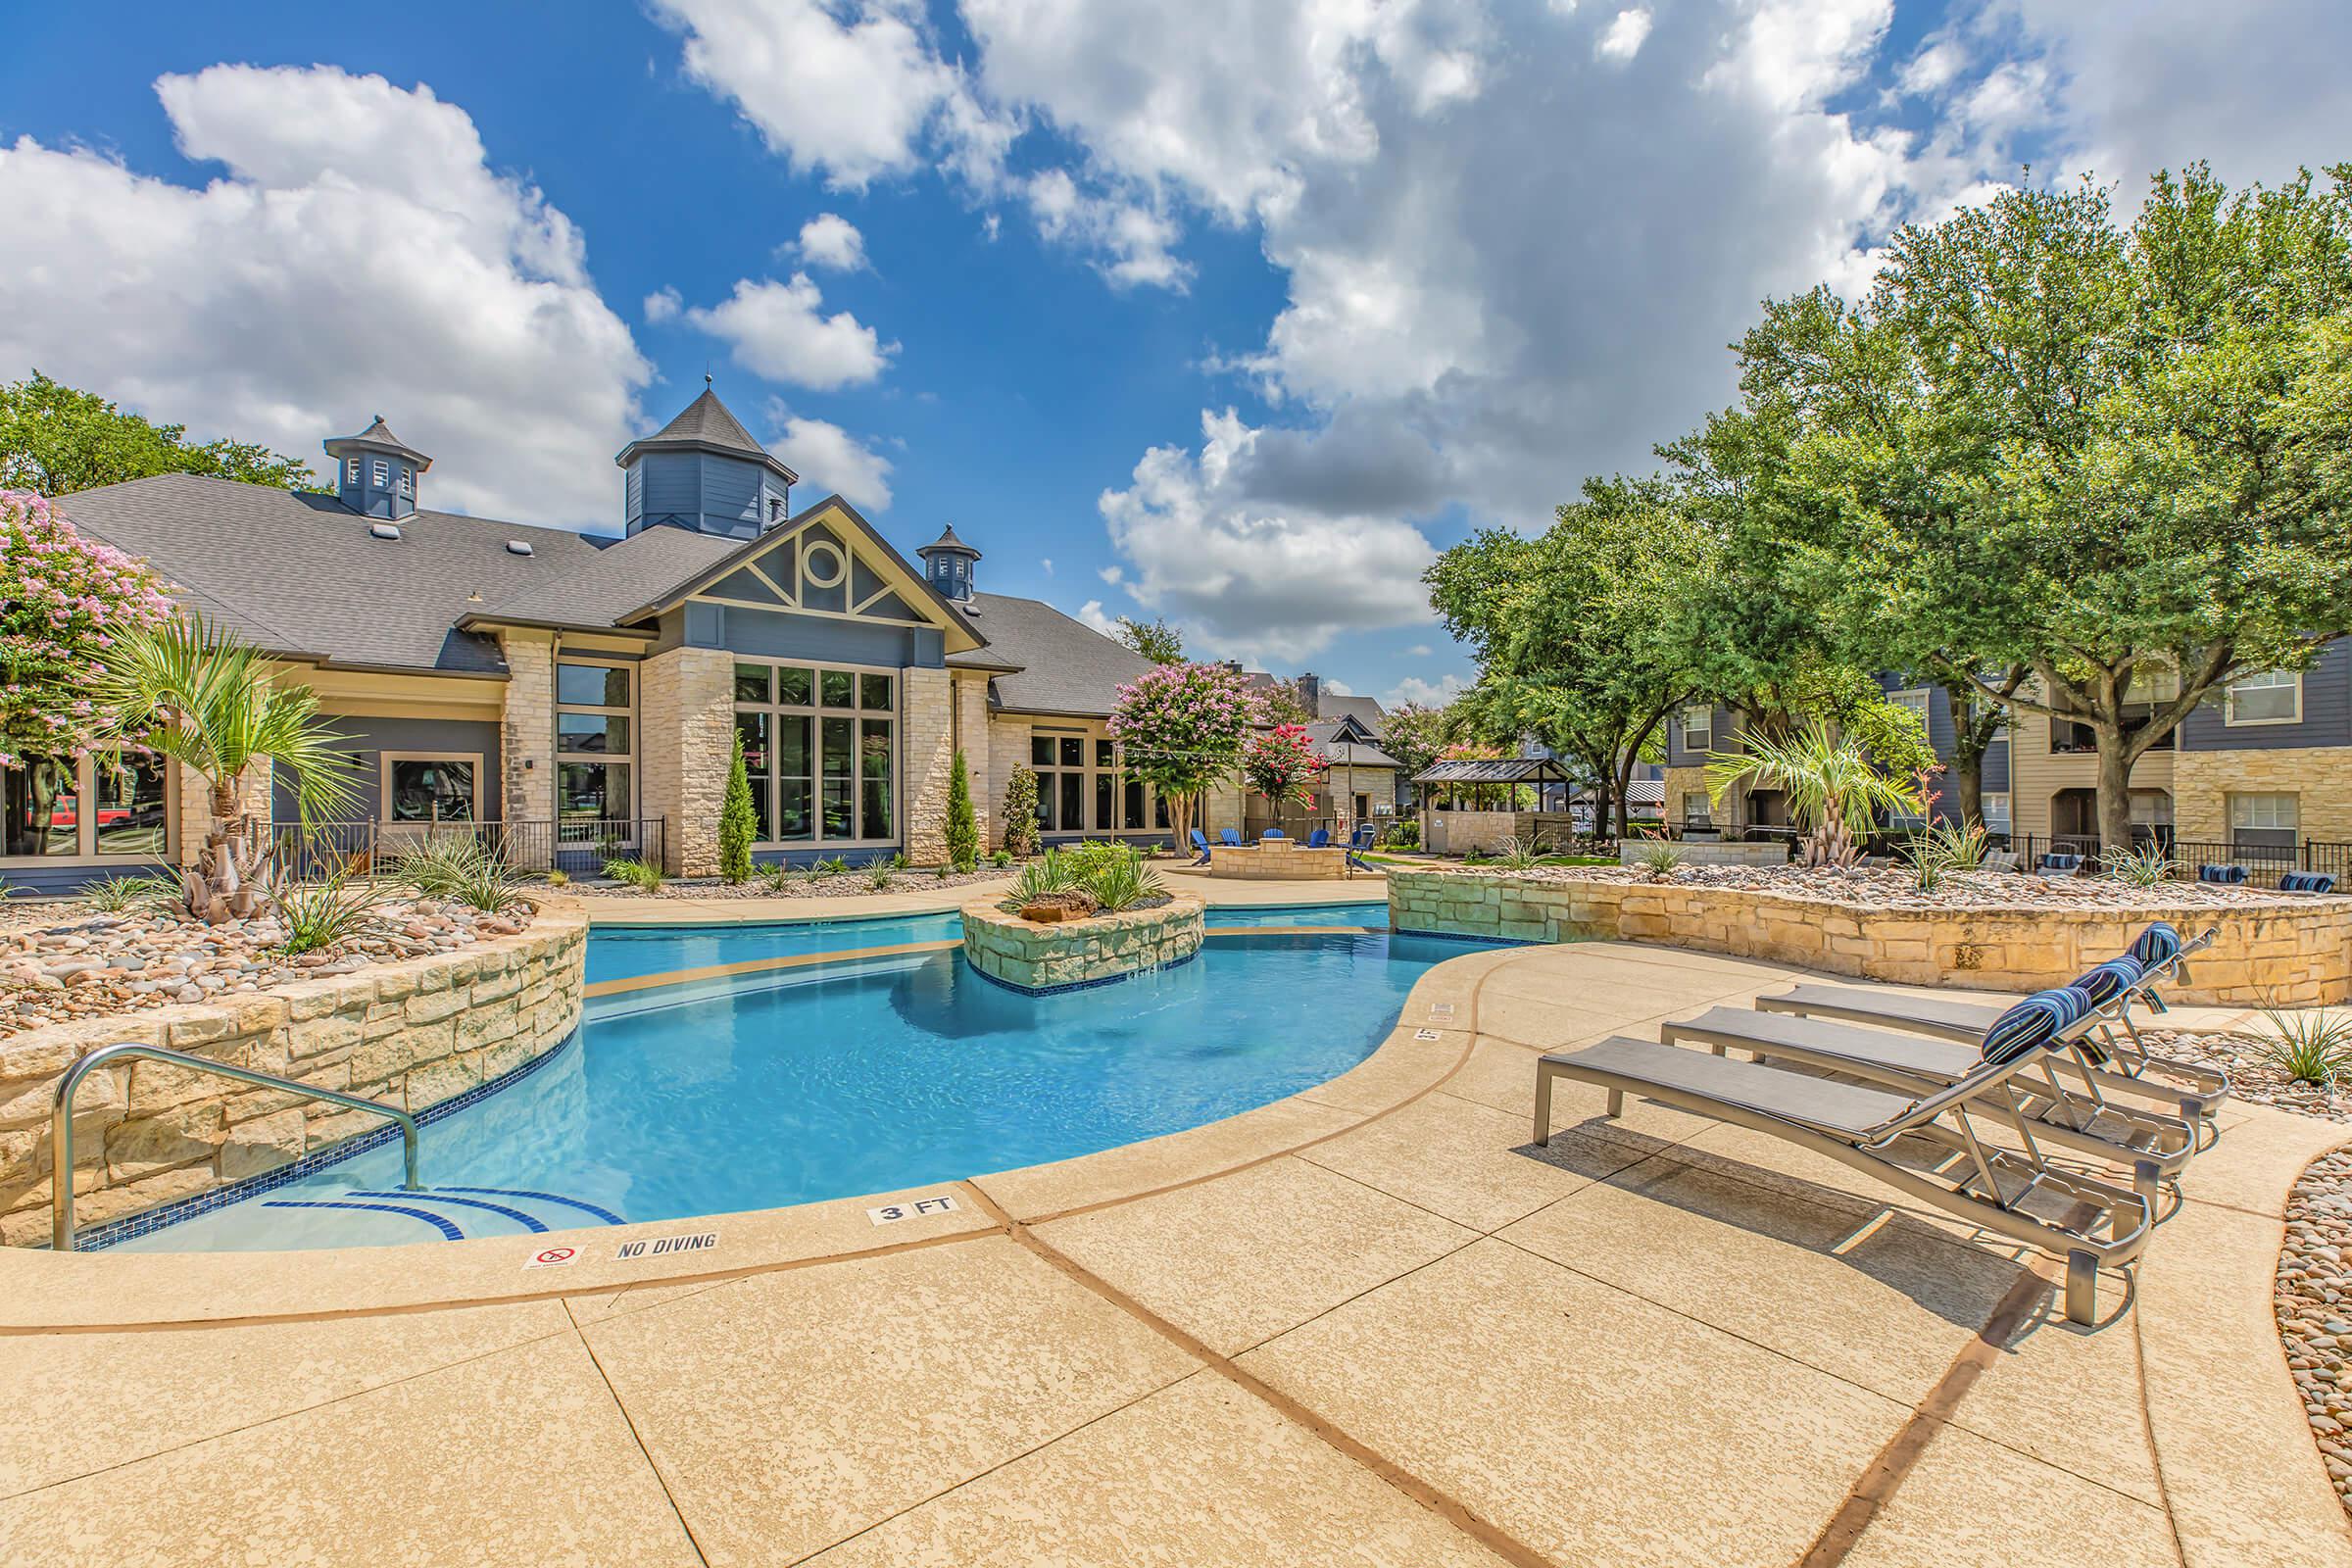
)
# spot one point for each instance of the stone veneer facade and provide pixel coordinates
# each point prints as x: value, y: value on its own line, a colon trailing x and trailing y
x: 1033, y: 956
x: 528, y: 727
x: 411, y: 1034
x: 686, y: 718
x: 926, y: 755
x: 2297, y: 951
x: 2318, y: 777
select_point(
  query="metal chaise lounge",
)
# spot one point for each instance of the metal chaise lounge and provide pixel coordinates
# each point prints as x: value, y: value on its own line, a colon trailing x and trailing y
x: 2198, y: 1093
x: 2157, y: 1147
x: 2097, y: 1225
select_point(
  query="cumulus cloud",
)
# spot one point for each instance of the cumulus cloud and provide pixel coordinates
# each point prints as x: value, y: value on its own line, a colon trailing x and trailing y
x: 355, y: 252
x: 777, y: 330
x: 1432, y: 694
x: 1256, y: 582
x: 830, y: 460
x: 1094, y: 615
x: 1128, y: 239
x: 663, y: 305
x: 1621, y: 40
x: 831, y: 240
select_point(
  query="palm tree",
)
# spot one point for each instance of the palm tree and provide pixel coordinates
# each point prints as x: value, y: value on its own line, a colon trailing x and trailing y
x: 1834, y: 787
x: 206, y: 698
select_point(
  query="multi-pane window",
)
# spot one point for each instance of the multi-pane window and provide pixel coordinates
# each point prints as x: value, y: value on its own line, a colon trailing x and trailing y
x: 821, y: 748
x: 594, y: 735
x: 2267, y: 820
x: 1081, y: 788
x: 60, y: 806
x: 1996, y: 813
x: 1916, y: 701
x: 2273, y: 697
x: 431, y: 789
x: 1698, y: 728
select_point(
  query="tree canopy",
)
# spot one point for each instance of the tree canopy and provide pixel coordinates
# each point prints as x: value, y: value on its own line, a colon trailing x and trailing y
x: 1180, y: 729
x: 56, y: 439
x: 65, y: 603
x: 1155, y: 639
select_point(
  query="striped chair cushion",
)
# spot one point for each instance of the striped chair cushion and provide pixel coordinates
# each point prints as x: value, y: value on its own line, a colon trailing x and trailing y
x: 2062, y: 862
x: 2158, y: 944
x: 2306, y: 882
x: 2229, y: 875
x: 2110, y: 980
x: 2033, y: 1023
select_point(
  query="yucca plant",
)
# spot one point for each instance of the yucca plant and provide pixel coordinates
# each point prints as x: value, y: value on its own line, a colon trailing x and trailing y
x: 1940, y: 848
x: 320, y: 914
x: 1050, y: 872
x: 1515, y: 854
x: 1833, y: 787
x: 212, y: 703
x: 2310, y: 1045
x: 774, y: 878
x: 643, y: 875
x: 1659, y: 860
x: 118, y: 894
x: 881, y: 875
x: 1123, y: 881
x: 2141, y: 867
x: 462, y: 869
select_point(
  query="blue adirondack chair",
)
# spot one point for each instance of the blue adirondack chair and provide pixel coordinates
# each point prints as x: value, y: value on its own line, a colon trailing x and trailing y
x: 1272, y: 833
x: 1200, y: 848
x: 1358, y: 841
x: 1320, y: 839
x: 1226, y: 835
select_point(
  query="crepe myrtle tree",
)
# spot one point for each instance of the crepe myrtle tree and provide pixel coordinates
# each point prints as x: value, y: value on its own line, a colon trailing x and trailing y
x: 1282, y: 766
x: 65, y: 601
x: 1180, y: 729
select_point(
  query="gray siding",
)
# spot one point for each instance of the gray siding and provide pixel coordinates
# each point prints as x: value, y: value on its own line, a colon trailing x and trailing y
x: 1679, y: 754
x: 371, y: 738
x: 2327, y: 713
x: 781, y: 634
x: 705, y: 491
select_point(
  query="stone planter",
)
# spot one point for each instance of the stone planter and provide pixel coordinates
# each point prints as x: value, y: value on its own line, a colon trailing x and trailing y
x: 411, y: 1034
x: 2297, y: 951
x: 1038, y: 956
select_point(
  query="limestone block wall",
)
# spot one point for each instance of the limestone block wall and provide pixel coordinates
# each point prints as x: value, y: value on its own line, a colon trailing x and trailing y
x: 975, y: 734
x: 411, y: 1034
x: 926, y: 755
x: 686, y: 713
x: 1008, y: 749
x: 528, y: 727
x: 1034, y: 957
x: 2319, y: 776
x: 2296, y: 951
x: 1682, y: 783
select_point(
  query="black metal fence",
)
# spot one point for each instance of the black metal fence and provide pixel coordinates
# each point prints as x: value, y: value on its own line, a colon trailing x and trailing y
x: 574, y: 846
x: 2264, y: 863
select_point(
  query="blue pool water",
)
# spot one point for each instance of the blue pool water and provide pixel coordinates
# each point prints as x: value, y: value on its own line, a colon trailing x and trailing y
x: 827, y: 1082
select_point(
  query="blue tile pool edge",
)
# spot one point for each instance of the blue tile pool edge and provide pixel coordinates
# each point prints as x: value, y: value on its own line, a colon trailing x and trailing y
x: 165, y: 1215
x: 1020, y: 990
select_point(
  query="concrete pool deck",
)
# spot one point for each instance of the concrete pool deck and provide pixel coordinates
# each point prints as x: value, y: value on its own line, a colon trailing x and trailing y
x: 1366, y: 1324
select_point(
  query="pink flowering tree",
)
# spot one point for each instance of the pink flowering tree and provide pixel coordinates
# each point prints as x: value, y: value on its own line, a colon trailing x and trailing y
x: 65, y: 601
x: 1181, y: 729
x: 1283, y: 764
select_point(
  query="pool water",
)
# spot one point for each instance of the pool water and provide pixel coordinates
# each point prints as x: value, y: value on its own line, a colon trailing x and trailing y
x: 828, y: 1082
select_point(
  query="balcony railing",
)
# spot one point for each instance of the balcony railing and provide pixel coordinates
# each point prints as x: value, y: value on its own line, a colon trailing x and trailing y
x: 574, y: 846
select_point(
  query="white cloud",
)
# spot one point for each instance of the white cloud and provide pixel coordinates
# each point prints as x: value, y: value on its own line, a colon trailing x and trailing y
x: 354, y: 253
x: 1252, y: 581
x: 775, y: 330
x: 853, y: 88
x: 1338, y: 688
x: 663, y: 305
x: 1419, y: 651
x: 1621, y: 40
x: 1093, y: 615
x: 1129, y: 239
x: 831, y: 461
x: 1433, y: 694
x: 831, y: 240
x: 1047, y: 563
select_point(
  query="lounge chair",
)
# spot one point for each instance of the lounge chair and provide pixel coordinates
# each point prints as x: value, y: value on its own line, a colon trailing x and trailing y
x: 2227, y: 876
x: 1272, y: 833
x: 2159, y: 955
x: 1858, y: 1125
x: 2314, y: 882
x: 1358, y: 842
x: 1320, y: 839
x: 1199, y: 848
x: 2000, y: 861
x: 2059, y: 865
x: 1229, y: 838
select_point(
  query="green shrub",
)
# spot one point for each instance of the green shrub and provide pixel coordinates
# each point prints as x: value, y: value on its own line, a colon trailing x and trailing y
x: 320, y: 914
x: 1122, y: 881
x: 1403, y: 834
x: 1660, y: 860
x: 829, y: 865
x: 775, y: 876
x: 558, y: 878
x: 116, y: 894
x: 963, y: 830
x: 1050, y: 872
x: 643, y: 875
x: 2310, y: 1046
x: 738, y: 822
x: 1513, y: 854
x: 881, y: 874
x: 1021, y: 811
x: 460, y: 868
x: 1001, y: 859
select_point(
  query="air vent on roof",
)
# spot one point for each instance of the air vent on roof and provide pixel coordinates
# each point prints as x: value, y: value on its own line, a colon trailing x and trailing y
x: 384, y: 530
x: 519, y: 547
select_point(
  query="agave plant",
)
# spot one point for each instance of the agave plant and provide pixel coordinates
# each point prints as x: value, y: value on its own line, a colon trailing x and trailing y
x: 2147, y: 867
x: 1659, y: 860
x: 1122, y: 881
x: 462, y: 869
x: 1833, y: 787
x: 2309, y: 1044
x: 336, y: 908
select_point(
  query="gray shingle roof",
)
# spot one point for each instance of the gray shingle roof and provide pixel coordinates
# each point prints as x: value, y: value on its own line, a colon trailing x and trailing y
x: 706, y: 425
x: 1066, y: 666
x: 301, y: 575
x: 378, y: 436
x: 647, y: 566
x: 1327, y: 734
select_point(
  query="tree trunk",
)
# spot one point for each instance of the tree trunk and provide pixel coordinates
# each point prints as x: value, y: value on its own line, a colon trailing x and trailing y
x: 1603, y: 803
x: 2116, y: 757
x: 1967, y: 781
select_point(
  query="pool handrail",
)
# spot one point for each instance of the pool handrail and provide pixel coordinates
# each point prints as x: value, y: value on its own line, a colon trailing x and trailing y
x: 60, y: 1118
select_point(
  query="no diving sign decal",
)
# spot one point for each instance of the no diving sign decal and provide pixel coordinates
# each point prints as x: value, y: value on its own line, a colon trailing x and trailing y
x: 666, y: 1246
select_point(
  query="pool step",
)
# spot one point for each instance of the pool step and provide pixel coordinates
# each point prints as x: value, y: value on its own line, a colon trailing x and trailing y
x: 463, y: 1213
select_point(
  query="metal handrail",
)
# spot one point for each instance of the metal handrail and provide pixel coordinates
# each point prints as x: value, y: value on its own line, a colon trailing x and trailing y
x: 60, y: 1118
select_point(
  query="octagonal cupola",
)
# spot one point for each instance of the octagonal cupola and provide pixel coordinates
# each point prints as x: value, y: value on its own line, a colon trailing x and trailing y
x: 704, y: 470
x: 376, y: 474
x: 948, y: 566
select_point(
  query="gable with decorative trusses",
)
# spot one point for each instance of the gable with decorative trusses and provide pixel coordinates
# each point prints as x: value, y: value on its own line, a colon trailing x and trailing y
x: 829, y: 563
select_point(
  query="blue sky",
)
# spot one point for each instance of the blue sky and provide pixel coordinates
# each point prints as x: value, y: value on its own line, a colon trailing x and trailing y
x: 1229, y: 312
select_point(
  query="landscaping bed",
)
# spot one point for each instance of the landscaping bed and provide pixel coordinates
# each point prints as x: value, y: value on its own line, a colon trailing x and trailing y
x: 62, y: 961
x: 797, y: 885
x: 2312, y: 1299
x: 1899, y: 889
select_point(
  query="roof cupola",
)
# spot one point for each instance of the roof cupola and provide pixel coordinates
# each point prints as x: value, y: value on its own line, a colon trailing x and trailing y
x: 948, y: 566
x: 704, y: 470
x: 376, y: 474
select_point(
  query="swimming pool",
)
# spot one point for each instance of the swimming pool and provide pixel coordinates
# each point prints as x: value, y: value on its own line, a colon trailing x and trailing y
x: 836, y: 1080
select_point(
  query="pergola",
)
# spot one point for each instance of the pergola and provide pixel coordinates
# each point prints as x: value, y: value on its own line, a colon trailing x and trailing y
x: 1484, y: 776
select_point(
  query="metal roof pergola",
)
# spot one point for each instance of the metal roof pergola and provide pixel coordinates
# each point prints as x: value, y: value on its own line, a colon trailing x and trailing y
x: 1495, y: 770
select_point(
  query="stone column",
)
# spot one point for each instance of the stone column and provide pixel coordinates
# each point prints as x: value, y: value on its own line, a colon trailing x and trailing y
x: 1008, y: 749
x: 973, y: 733
x: 927, y: 754
x: 527, y: 728
x: 686, y: 718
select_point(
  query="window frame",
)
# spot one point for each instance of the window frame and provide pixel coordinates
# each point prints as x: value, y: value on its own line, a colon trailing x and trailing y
x: 815, y: 711
x: 2294, y: 797
x: 383, y: 787
x: 86, y: 854
x: 382, y: 472
x: 1684, y: 718
x: 1090, y: 769
x: 560, y: 757
x: 1919, y: 701
x: 2293, y: 682
x: 1985, y: 808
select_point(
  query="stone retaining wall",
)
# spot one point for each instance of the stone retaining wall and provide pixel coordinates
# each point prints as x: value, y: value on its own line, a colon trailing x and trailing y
x: 2296, y: 951
x: 411, y: 1034
x: 1037, y: 957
